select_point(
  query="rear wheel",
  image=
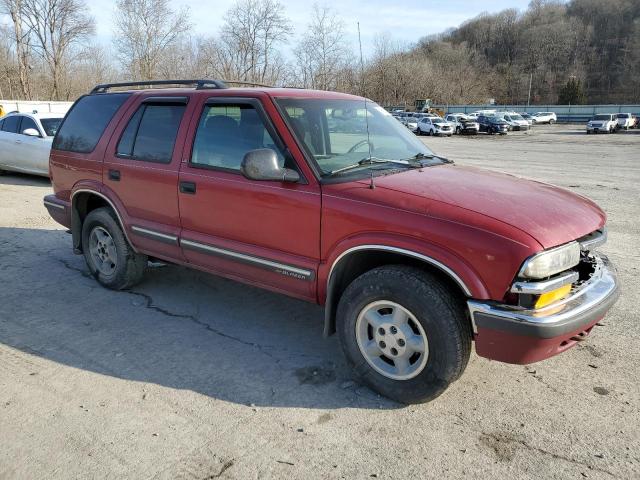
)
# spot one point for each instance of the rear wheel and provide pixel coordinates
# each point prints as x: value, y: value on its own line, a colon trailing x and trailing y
x: 552, y: 121
x: 404, y: 333
x: 109, y: 257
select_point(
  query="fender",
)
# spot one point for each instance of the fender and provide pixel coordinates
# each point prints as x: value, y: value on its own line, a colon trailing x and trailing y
x: 76, y: 226
x: 451, y: 265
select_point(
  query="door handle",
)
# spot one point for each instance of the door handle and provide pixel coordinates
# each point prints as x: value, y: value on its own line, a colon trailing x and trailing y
x: 18, y: 141
x: 188, y: 187
x: 114, y: 175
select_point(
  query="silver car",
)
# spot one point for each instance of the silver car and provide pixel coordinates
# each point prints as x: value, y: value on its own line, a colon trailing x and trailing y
x: 25, y: 141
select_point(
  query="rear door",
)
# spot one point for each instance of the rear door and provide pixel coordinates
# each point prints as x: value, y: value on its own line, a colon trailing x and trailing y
x: 141, y: 170
x: 262, y: 232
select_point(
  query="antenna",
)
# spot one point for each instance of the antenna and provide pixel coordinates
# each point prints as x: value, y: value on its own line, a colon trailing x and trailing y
x: 364, y: 94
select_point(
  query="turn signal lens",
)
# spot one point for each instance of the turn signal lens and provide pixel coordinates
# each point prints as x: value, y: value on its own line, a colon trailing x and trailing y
x: 550, y: 297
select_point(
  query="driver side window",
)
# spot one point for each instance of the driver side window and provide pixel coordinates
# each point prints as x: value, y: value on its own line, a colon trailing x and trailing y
x: 225, y: 134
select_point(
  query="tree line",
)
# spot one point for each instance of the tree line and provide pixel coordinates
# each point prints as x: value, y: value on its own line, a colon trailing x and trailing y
x: 577, y: 51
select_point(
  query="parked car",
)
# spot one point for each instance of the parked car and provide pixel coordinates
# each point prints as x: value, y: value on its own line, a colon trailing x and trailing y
x: 528, y: 118
x: 411, y: 123
x: 514, y: 120
x: 492, y: 124
x: 413, y: 257
x: 603, y: 123
x: 625, y: 121
x: 434, y: 126
x: 25, y: 141
x: 545, y: 117
x: 461, y: 124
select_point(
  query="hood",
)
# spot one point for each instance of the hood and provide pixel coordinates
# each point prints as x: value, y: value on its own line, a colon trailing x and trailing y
x: 549, y: 214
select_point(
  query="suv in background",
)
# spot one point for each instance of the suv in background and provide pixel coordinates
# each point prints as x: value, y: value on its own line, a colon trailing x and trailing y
x: 413, y: 258
x: 492, y: 124
x: 514, y: 120
x: 544, y: 117
x: 625, y: 121
x: 434, y: 126
x: 603, y: 123
x: 462, y: 124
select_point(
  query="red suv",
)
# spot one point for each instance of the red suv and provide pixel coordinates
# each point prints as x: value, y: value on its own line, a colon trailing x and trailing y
x: 326, y: 197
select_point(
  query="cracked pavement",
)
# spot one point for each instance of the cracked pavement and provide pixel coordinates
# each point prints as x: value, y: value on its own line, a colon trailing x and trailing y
x: 188, y: 375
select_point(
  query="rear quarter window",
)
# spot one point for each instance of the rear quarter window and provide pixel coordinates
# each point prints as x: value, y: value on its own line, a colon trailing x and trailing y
x: 86, y: 121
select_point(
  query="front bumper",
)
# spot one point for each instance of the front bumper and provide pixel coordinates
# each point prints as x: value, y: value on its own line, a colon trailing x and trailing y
x: 603, y: 129
x: 512, y: 335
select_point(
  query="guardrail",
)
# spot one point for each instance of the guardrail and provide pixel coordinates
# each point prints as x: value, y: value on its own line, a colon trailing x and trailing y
x: 565, y: 113
x: 28, y: 106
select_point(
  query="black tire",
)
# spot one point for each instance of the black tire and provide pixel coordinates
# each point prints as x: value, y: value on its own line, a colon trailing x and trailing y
x: 129, y: 265
x: 436, y: 308
x: 552, y: 121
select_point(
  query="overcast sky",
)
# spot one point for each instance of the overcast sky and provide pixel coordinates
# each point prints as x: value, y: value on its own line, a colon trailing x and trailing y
x: 406, y: 21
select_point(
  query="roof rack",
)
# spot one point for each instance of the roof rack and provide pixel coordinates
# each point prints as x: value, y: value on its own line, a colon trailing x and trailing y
x: 248, y: 84
x: 199, y: 84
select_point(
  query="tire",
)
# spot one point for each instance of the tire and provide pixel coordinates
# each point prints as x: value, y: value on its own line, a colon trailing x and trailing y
x: 457, y: 130
x: 433, y: 312
x: 102, y: 237
x: 552, y: 121
x: 418, y: 132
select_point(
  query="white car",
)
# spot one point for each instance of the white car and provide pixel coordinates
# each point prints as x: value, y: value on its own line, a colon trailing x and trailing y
x: 625, y: 121
x: 603, y: 122
x: 545, y: 117
x: 514, y: 120
x: 25, y: 141
x: 434, y: 126
x: 461, y: 123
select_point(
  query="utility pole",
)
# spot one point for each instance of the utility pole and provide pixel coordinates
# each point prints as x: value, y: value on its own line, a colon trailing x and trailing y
x: 529, y: 96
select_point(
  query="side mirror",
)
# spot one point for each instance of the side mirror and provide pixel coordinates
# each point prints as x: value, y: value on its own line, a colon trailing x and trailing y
x: 31, y: 132
x: 262, y: 164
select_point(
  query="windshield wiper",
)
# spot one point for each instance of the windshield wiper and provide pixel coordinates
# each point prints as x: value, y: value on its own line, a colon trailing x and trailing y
x: 371, y: 161
x: 423, y: 156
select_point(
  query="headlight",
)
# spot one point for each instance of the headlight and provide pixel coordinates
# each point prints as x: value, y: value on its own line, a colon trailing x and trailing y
x: 550, y: 262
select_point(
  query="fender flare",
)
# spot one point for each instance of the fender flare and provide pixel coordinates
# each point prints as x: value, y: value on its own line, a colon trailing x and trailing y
x: 76, y: 224
x: 329, y: 317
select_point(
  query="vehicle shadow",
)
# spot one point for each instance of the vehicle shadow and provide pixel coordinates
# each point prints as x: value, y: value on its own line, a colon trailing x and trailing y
x: 15, y: 178
x: 179, y: 328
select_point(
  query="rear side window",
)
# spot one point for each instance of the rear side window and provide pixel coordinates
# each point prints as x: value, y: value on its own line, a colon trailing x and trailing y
x: 11, y: 124
x: 86, y: 121
x: 151, y: 133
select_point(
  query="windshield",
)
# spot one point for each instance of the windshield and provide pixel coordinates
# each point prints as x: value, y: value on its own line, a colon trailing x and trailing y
x: 623, y: 115
x: 602, y: 117
x: 515, y: 116
x: 334, y: 132
x: 50, y: 125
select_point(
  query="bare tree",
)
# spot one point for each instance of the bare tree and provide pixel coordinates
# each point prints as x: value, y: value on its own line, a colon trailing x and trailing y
x: 323, y: 51
x: 57, y: 26
x: 15, y: 10
x: 248, y: 43
x: 144, y: 31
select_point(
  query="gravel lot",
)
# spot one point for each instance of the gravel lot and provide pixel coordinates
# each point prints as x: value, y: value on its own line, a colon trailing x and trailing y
x: 193, y: 376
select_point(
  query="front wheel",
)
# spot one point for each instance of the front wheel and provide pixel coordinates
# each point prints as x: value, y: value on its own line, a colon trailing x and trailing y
x: 404, y: 333
x: 109, y: 257
x: 552, y: 121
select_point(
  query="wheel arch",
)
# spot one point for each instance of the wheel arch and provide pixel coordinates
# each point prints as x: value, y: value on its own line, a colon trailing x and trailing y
x: 356, y: 260
x: 83, y: 201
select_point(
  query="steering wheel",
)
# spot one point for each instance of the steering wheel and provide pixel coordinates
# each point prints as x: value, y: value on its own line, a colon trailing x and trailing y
x: 360, y: 143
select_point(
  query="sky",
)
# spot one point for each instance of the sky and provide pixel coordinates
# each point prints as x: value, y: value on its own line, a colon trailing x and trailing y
x: 404, y: 21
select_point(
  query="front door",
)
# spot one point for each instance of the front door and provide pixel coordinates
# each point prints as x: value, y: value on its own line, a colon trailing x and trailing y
x: 141, y: 171
x: 262, y: 232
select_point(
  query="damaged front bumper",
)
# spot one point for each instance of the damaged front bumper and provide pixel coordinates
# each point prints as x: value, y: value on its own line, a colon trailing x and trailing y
x: 512, y: 335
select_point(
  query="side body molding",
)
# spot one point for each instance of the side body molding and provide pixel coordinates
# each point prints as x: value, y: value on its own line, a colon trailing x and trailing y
x: 329, y: 311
